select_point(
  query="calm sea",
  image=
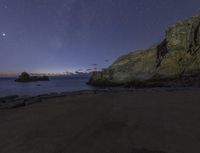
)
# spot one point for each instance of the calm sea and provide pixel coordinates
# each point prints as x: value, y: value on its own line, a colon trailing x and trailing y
x: 58, y: 84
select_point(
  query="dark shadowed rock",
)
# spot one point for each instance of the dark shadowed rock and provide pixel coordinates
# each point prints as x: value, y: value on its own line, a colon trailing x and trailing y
x: 25, y: 77
x: 12, y: 104
x: 174, y: 62
x: 8, y: 98
x: 15, y: 102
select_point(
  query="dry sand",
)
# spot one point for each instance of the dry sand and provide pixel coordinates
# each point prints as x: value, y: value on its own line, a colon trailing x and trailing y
x: 144, y: 121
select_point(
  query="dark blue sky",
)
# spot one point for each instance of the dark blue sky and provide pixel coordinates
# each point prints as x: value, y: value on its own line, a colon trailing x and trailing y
x: 66, y: 35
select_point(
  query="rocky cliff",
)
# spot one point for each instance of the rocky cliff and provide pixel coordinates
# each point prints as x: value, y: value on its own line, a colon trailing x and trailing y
x: 175, y: 61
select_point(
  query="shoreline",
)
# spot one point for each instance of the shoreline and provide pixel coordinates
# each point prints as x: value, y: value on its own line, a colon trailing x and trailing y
x: 15, y: 101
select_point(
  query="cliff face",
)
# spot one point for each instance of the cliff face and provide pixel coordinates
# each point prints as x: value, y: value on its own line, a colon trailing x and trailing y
x: 176, y: 59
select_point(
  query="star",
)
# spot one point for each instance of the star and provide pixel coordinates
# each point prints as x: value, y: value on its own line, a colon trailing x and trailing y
x: 3, y: 34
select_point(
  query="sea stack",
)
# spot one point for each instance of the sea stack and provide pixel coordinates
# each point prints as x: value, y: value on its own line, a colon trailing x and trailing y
x: 173, y: 62
x: 25, y: 77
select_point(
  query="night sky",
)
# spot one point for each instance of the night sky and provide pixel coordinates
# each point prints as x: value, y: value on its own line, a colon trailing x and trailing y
x: 67, y: 35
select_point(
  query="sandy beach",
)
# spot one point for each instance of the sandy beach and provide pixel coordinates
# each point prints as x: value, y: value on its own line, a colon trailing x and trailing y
x: 139, y: 121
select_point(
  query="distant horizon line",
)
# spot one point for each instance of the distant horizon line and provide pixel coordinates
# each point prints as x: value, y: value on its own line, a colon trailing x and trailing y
x: 13, y: 74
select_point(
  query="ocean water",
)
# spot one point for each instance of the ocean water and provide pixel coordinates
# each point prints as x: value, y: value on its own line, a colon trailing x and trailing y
x: 57, y: 84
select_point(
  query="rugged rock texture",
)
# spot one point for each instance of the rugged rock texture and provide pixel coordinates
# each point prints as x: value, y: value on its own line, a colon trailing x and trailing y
x: 25, y: 77
x: 175, y: 61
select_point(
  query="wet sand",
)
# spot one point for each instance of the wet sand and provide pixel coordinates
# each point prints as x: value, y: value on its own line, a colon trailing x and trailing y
x: 143, y: 121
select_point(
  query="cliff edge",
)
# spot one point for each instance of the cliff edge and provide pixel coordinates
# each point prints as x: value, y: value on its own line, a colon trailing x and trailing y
x: 175, y: 61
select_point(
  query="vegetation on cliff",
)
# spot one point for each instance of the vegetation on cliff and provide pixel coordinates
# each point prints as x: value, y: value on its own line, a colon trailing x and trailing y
x: 175, y: 61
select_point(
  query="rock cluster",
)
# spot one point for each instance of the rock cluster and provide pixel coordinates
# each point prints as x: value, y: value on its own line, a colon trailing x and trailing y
x: 25, y: 77
x: 175, y: 61
x: 15, y: 101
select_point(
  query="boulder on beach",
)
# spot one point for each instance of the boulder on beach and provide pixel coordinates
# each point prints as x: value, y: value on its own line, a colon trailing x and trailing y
x: 25, y: 77
x: 175, y: 61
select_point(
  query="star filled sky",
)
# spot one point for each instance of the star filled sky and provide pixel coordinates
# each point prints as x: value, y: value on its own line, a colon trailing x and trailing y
x: 69, y: 35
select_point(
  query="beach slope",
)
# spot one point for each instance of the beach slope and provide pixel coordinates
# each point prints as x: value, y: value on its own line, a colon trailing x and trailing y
x: 142, y: 121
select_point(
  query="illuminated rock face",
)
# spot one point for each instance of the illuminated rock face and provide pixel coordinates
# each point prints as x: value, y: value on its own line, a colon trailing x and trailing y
x: 25, y: 77
x: 176, y: 60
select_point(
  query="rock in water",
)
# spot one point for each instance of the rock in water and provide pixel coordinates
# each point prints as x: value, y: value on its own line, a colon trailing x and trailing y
x: 175, y: 61
x: 25, y: 77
